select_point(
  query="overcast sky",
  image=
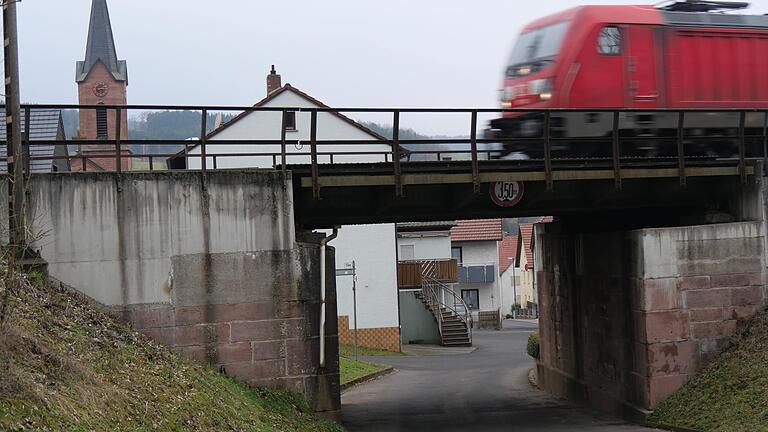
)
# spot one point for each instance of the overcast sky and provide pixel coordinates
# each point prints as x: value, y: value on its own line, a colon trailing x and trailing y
x: 386, y: 53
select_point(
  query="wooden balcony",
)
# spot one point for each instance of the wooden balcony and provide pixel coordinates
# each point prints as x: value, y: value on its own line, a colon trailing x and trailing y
x: 409, y: 272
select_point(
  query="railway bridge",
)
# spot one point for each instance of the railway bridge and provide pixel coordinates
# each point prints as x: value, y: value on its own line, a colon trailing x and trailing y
x: 648, y: 266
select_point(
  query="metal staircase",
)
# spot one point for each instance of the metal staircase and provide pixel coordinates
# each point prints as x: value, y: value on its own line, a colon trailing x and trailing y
x: 454, y: 319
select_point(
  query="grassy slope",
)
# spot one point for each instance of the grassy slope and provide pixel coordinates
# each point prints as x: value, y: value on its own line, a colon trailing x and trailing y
x: 66, y: 366
x: 731, y: 393
x: 352, y: 369
x: 349, y: 351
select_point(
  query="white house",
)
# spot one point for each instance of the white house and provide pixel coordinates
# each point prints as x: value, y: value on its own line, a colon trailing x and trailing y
x: 509, y: 274
x: 371, y: 247
x: 418, y: 241
x: 474, y: 244
x: 529, y: 296
x: 424, y: 240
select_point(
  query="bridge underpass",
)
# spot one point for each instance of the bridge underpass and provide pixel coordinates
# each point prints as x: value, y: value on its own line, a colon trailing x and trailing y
x: 222, y: 266
x: 638, y: 287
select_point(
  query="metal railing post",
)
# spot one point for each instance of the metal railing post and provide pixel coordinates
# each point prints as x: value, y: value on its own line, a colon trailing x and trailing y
x: 26, y: 147
x: 118, y: 131
x: 203, y: 150
x: 396, y: 152
x: 616, y: 151
x: 547, y: 152
x: 765, y: 143
x: 681, y: 147
x: 282, y: 140
x: 313, y: 152
x: 742, y: 147
x: 473, y: 143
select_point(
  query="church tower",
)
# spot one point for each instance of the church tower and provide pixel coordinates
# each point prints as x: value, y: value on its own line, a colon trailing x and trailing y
x: 101, y: 79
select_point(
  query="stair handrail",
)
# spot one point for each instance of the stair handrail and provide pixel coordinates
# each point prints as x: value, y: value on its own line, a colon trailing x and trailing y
x: 466, y: 317
x: 434, y: 290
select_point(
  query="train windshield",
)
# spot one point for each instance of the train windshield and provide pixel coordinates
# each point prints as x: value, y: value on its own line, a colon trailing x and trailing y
x: 536, y: 48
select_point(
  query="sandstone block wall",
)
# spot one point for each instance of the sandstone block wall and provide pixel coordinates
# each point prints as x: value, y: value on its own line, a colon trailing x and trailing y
x: 628, y: 317
x: 691, y: 286
x: 263, y: 335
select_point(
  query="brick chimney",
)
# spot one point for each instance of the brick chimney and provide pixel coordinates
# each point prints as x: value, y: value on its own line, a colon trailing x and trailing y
x: 273, y: 81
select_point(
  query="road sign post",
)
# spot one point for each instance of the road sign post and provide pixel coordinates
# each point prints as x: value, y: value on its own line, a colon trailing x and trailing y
x: 352, y: 271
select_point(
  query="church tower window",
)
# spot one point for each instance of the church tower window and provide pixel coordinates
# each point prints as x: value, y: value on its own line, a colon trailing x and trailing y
x: 102, y: 131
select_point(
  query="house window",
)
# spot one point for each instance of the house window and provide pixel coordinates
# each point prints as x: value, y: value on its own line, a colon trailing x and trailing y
x: 472, y: 298
x: 290, y: 120
x: 407, y: 252
x: 101, y: 123
x: 456, y: 254
x: 609, y: 41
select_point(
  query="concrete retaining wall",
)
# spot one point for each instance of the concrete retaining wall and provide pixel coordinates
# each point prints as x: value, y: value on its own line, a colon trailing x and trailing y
x: 213, y: 270
x: 113, y: 237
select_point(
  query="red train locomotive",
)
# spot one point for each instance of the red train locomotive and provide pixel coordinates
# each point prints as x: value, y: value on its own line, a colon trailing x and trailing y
x: 682, y: 55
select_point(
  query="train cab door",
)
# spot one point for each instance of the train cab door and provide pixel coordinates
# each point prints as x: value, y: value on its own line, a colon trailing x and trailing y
x: 642, y: 69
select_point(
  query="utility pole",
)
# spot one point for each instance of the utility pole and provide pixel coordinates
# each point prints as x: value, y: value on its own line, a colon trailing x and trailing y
x: 15, y: 154
x: 514, y: 293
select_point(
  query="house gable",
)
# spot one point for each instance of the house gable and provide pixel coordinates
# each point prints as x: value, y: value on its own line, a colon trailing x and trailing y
x: 267, y: 125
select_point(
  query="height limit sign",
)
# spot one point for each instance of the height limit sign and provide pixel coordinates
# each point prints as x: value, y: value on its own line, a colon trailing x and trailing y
x: 506, y: 194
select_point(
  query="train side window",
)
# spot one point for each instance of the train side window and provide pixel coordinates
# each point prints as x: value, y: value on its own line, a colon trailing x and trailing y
x: 609, y: 41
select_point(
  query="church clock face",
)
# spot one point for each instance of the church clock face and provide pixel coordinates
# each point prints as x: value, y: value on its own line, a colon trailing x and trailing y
x: 100, y: 89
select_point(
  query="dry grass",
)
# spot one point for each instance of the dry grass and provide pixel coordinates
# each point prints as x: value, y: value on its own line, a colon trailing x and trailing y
x: 66, y: 366
x: 731, y: 393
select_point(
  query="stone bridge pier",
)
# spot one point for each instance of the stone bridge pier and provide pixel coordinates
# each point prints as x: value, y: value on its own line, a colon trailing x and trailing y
x: 628, y: 315
x: 208, y: 265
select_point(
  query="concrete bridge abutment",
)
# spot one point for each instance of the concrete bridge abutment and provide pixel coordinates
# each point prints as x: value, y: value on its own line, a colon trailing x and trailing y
x: 209, y: 266
x: 628, y: 316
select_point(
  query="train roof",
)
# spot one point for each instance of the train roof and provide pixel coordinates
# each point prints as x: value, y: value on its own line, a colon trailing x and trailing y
x: 650, y: 14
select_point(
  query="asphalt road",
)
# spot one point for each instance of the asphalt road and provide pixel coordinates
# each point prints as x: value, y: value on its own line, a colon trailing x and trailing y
x: 486, y: 390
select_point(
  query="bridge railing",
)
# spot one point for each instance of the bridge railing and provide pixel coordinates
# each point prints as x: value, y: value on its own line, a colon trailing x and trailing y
x: 541, y: 138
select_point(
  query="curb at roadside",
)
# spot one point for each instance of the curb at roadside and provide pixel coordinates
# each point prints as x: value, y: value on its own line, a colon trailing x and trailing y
x: 367, y: 378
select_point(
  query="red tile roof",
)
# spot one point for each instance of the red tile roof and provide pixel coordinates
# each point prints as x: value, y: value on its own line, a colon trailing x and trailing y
x: 507, y: 252
x: 474, y: 230
x: 526, y: 234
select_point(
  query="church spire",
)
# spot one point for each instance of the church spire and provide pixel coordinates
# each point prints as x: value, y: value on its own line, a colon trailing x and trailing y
x: 101, y: 45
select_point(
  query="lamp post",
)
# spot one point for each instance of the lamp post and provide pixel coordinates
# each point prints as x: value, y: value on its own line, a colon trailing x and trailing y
x: 514, y: 290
